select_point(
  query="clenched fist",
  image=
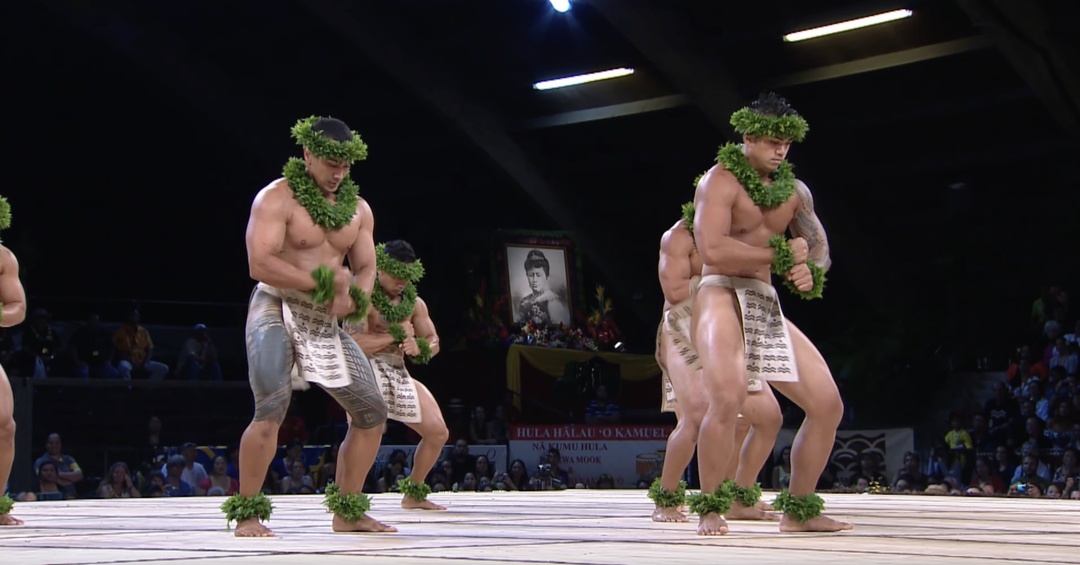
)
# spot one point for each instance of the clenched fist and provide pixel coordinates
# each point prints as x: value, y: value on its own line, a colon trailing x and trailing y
x: 800, y: 249
x: 342, y: 305
x: 342, y: 280
x: 410, y: 348
x: 801, y: 277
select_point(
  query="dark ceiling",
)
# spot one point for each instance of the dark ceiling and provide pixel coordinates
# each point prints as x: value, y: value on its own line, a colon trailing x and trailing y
x: 968, y: 93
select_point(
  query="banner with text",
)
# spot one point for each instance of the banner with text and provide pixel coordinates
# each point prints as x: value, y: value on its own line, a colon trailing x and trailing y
x: 628, y: 453
x: 888, y: 445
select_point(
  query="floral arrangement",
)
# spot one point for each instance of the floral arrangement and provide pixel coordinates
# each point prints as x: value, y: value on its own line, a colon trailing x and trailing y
x: 593, y: 331
x: 599, y: 323
x: 557, y: 336
x: 486, y: 319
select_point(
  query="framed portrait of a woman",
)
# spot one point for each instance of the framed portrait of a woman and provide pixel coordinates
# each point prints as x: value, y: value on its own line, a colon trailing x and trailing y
x: 539, y: 274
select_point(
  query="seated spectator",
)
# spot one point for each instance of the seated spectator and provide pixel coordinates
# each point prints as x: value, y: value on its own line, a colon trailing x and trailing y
x: 117, y: 483
x: 1069, y: 468
x: 193, y: 472
x: 1031, y: 467
x: 1003, y: 461
x: 68, y: 471
x: 134, y: 350
x: 91, y: 351
x: 218, y: 482
x: 297, y: 481
x: 49, y: 487
x: 175, y: 485
x: 484, y: 468
x: 479, y: 430
x: 295, y: 453
x: 985, y: 480
x: 199, y: 358
x: 517, y: 478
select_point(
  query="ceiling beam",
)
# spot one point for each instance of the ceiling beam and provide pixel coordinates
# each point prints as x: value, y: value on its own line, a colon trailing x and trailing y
x: 984, y: 100
x: 394, y: 47
x: 660, y: 32
x: 858, y: 66
x: 879, y: 62
x: 1022, y: 32
x: 159, y: 52
x: 607, y: 112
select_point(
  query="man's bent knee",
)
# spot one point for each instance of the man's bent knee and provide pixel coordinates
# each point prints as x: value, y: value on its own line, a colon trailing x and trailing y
x: 363, y: 405
x: 272, y: 406
x: 7, y: 428
x: 437, y: 434
x: 827, y: 411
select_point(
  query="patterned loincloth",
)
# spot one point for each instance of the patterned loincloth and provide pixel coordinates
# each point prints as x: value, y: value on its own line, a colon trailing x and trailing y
x: 768, y: 350
x: 667, y: 391
x: 320, y: 356
x: 398, y: 388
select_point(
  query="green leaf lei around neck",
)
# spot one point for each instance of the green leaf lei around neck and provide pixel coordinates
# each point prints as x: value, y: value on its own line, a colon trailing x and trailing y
x: 688, y: 212
x: 395, y: 313
x: 330, y: 216
x: 731, y: 157
x: 5, y: 213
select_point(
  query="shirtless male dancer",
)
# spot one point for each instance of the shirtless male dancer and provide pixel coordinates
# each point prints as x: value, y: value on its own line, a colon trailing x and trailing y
x: 744, y: 205
x: 398, y: 325
x: 12, y: 313
x: 301, y: 229
x: 760, y: 420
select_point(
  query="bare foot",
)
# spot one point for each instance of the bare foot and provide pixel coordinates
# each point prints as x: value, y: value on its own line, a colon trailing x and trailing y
x: 712, y: 524
x: 816, y: 524
x: 668, y: 515
x: 251, y: 528
x: 9, y: 520
x: 410, y: 503
x: 765, y: 506
x: 740, y: 512
x: 365, y: 524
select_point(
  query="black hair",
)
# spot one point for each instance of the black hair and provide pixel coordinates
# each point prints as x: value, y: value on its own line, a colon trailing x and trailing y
x: 333, y: 129
x: 400, y: 250
x: 535, y: 259
x: 771, y: 104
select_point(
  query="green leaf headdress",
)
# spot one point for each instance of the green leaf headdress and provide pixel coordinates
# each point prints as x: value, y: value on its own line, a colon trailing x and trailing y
x: 770, y: 116
x: 411, y: 272
x: 323, y: 147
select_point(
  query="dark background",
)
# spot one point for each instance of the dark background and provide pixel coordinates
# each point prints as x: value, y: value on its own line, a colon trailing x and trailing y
x: 136, y: 135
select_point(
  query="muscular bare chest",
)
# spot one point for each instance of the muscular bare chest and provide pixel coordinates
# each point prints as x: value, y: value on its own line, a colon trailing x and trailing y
x: 304, y: 234
x: 754, y: 225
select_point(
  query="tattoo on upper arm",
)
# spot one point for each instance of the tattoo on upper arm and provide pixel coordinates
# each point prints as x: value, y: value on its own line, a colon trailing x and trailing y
x: 807, y: 225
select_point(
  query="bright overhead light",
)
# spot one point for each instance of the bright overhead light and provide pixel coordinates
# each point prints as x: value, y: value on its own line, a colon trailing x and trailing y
x: 848, y: 25
x: 582, y: 79
x: 560, y: 5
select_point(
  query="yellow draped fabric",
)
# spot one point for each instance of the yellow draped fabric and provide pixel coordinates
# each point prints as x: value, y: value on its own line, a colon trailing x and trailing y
x: 552, y: 361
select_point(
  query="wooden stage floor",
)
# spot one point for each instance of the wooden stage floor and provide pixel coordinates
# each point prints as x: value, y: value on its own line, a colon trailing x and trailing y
x: 569, y: 527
